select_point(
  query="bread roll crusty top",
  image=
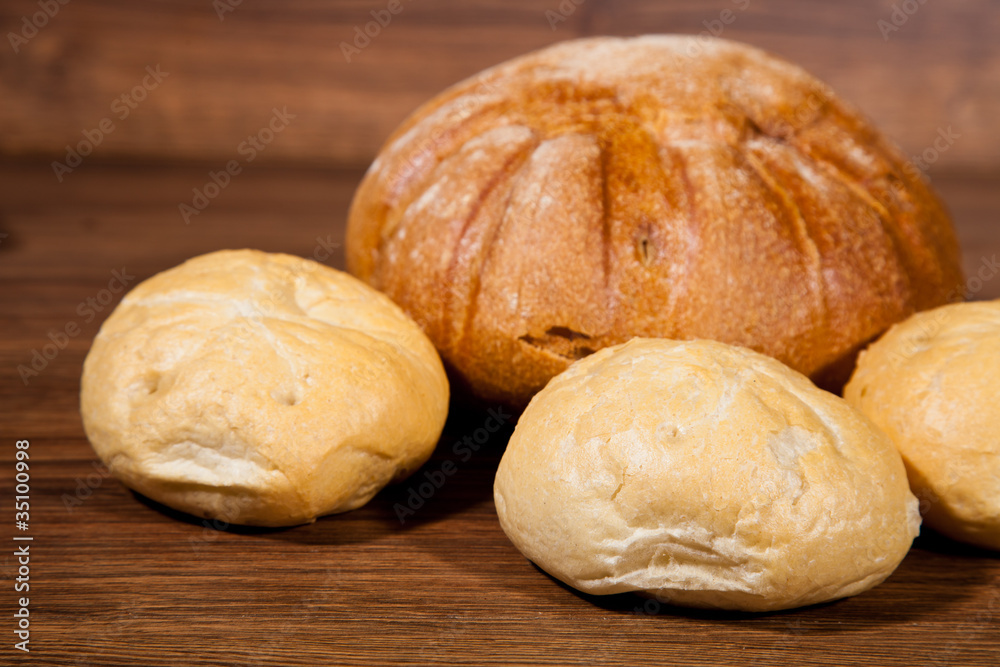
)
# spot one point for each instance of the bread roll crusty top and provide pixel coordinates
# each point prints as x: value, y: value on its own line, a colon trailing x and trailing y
x: 932, y: 384
x: 660, y: 186
x: 260, y: 388
x: 706, y: 474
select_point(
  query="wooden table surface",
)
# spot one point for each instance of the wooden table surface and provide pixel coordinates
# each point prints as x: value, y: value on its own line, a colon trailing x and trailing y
x: 118, y: 580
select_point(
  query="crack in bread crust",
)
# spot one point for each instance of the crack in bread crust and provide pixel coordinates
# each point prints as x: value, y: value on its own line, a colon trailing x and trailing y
x: 702, y: 168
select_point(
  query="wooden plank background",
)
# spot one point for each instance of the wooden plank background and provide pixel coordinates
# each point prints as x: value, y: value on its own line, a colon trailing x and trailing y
x: 120, y: 581
x: 940, y: 69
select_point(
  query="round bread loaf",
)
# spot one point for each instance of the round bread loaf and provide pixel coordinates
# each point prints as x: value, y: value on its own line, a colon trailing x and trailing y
x: 659, y: 186
x: 932, y: 384
x: 707, y: 475
x: 261, y: 389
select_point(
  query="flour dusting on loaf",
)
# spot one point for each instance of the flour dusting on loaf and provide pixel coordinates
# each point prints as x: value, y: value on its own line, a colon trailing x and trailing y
x: 262, y: 389
x: 659, y: 186
x: 704, y: 474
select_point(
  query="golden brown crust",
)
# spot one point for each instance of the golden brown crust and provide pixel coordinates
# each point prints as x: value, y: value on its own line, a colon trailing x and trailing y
x: 932, y: 384
x: 261, y: 389
x: 605, y: 188
x: 705, y: 474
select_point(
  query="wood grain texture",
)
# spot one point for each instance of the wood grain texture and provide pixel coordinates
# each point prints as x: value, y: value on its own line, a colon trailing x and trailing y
x: 117, y: 580
x: 940, y: 69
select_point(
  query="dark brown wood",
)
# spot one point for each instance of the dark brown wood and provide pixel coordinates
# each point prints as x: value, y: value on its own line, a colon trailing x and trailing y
x: 940, y: 69
x: 118, y: 580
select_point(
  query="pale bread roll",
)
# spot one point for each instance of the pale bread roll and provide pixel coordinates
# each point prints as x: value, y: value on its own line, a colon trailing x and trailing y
x: 261, y: 389
x: 932, y: 384
x: 707, y: 475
